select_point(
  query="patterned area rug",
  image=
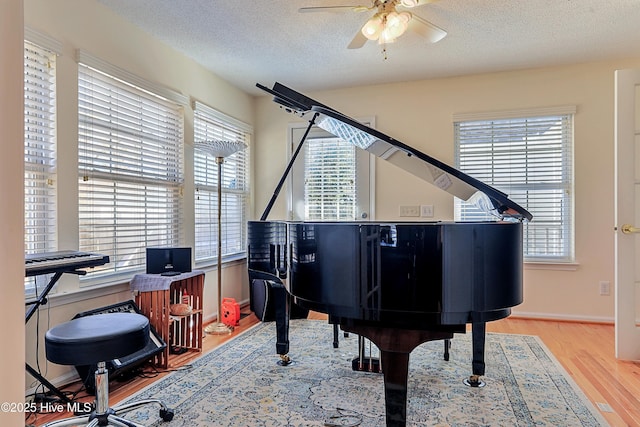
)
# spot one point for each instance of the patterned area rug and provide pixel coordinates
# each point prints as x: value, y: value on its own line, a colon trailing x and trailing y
x: 240, y: 384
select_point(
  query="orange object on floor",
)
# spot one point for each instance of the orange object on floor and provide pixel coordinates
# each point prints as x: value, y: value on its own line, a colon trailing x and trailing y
x: 230, y: 312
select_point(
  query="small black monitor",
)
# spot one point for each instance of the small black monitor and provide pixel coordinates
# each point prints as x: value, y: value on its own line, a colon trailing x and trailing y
x: 168, y: 260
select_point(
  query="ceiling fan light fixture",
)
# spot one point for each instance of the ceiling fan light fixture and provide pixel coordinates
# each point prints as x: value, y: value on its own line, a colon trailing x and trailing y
x: 396, y: 24
x: 387, y: 24
x: 374, y: 27
x: 386, y: 37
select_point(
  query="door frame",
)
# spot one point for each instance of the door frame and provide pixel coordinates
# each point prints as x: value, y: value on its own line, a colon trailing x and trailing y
x: 627, y: 334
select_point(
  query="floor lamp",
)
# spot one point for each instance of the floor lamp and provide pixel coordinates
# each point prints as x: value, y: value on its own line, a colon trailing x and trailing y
x: 219, y: 150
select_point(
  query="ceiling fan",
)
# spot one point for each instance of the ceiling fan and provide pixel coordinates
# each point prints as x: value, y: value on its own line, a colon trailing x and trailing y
x: 387, y: 24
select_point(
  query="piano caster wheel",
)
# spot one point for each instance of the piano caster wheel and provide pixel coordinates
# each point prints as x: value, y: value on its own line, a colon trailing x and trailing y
x: 474, y: 381
x: 285, y: 360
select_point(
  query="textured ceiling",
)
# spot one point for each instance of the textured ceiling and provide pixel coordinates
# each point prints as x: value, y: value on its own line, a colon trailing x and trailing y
x: 250, y: 41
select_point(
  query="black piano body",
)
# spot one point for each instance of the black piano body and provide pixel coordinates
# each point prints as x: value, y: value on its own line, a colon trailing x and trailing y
x: 407, y: 274
x: 397, y: 283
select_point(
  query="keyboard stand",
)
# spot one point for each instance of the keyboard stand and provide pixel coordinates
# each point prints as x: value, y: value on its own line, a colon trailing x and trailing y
x: 35, y: 305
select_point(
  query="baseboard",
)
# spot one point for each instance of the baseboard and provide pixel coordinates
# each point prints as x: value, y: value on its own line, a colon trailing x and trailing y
x: 562, y: 317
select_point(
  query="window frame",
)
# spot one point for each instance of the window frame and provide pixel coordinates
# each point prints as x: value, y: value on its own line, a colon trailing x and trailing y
x: 211, y: 124
x: 547, y: 189
x: 130, y: 166
x: 364, y: 164
x: 40, y: 150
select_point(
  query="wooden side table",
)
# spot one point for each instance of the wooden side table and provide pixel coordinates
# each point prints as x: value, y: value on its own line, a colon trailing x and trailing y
x: 154, y: 295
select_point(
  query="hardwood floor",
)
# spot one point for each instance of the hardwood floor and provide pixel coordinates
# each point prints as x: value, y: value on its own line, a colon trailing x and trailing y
x: 585, y: 350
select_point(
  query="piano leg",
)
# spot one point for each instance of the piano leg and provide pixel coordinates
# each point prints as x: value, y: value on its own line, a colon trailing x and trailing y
x: 395, y: 346
x: 447, y: 346
x: 281, y: 306
x: 396, y: 369
x: 478, y: 331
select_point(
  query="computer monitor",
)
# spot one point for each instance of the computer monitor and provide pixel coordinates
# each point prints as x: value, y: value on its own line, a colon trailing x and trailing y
x: 168, y: 260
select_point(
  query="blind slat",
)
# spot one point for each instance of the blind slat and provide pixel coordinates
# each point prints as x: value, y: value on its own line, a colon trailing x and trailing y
x: 330, y: 190
x: 130, y: 158
x: 529, y: 158
x: 40, y: 212
x: 212, y: 125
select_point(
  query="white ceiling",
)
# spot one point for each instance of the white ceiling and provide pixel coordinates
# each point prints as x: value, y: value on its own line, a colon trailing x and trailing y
x: 263, y: 41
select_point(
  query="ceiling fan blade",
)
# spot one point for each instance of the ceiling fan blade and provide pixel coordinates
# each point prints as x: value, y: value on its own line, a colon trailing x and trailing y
x: 333, y: 9
x: 426, y: 29
x: 358, y: 41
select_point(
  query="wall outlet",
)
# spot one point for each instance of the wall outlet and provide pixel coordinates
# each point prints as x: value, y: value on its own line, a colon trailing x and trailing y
x: 605, y: 288
x: 426, y: 211
x: 409, y: 211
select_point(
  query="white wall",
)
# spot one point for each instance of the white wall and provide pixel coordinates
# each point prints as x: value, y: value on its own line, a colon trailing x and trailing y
x: 87, y: 25
x: 11, y: 178
x: 420, y: 114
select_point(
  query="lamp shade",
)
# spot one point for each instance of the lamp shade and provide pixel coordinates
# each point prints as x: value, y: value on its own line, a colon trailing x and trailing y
x: 220, y: 148
x: 373, y: 27
x: 395, y: 25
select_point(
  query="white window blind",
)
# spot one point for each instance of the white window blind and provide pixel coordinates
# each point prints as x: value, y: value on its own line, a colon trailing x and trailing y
x: 530, y: 159
x: 330, y: 190
x: 39, y: 154
x: 209, y: 125
x: 130, y: 158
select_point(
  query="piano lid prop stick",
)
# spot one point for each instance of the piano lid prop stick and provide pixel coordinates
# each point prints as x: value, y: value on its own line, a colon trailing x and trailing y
x: 265, y: 214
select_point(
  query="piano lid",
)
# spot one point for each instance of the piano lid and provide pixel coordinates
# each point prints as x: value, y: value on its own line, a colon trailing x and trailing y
x: 441, y: 175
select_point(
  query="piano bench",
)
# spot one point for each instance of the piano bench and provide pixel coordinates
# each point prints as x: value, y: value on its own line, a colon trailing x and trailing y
x: 93, y: 340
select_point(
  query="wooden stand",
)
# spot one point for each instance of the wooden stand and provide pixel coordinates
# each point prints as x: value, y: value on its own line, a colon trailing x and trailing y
x: 177, y: 331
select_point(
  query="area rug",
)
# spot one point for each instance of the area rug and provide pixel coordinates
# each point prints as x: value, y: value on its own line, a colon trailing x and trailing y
x: 241, y: 384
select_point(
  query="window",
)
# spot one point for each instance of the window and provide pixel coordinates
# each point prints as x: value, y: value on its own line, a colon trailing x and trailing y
x: 210, y: 125
x: 330, y: 179
x: 130, y: 158
x: 39, y: 153
x: 530, y: 159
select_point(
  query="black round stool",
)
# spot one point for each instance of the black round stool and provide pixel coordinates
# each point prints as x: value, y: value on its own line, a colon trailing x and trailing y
x: 94, y: 340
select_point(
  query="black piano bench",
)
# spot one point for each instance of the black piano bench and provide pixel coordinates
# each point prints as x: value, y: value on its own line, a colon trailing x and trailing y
x: 93, y: 340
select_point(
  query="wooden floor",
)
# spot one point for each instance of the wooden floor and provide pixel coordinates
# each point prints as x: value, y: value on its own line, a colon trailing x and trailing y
x: 585, y: 350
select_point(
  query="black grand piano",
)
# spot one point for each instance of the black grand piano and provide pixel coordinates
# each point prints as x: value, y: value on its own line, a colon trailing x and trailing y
x: 398, y: 284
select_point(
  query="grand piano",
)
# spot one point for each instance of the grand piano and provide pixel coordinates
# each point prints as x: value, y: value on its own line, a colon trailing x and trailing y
x: 399, y: 284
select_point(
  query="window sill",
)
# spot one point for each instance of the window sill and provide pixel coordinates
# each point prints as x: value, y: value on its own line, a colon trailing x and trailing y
x: 558, y: 266
x: 212, y: 264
